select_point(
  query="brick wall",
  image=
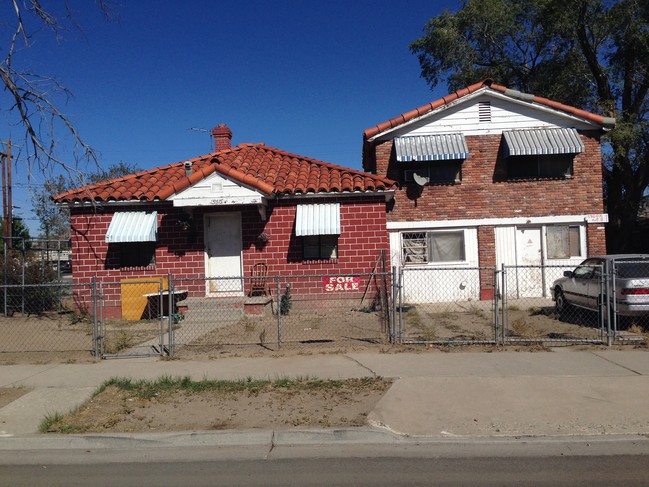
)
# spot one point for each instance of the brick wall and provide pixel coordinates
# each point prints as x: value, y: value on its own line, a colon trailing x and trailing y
x: 487, y: 259
x: 362, y: 239
x: 181, y: 252
x: 484, y: 192
x: 596, y: 239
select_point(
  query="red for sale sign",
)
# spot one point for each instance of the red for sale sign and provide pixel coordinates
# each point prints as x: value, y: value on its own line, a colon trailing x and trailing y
x: 332, y: 284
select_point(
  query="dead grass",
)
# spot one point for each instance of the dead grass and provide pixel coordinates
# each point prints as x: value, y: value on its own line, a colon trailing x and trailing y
x: 522, y: 328
x: 180, y: 404
x: 427, y: 331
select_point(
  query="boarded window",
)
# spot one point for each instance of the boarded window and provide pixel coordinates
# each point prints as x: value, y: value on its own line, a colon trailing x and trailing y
x: 563, y: 241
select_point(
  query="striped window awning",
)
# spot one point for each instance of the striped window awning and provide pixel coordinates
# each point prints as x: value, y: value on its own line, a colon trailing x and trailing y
x: 441, y: 147
x: 534, y: 142
x: 317, y: 219
x: 133, y: 226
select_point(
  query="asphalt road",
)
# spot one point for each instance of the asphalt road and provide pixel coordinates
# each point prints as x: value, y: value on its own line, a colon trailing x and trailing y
x: 383, y: 471
x: 520, y: 463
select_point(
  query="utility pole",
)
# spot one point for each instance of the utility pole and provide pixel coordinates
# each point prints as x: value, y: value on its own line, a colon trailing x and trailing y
x: 7, y: 204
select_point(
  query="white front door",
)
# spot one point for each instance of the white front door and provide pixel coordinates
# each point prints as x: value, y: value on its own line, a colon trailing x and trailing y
x: 223, y: 254
x: 528, y: 251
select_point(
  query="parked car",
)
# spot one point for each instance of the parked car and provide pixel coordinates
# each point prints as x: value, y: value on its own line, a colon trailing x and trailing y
x: 65, y: 266
x: 584, y: 287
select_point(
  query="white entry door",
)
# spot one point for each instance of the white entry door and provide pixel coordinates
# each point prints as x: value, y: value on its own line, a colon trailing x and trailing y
x: 223, y: 254
x: 529, y: 253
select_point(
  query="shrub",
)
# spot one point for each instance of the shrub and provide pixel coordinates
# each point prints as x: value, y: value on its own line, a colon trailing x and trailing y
x: 285, y: 302
x: 31, y: 287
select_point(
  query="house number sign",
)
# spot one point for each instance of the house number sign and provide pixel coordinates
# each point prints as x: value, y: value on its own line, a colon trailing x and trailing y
x: 332, y: 284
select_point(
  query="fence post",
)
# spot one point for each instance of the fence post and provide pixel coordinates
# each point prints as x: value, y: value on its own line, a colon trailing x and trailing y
x: 393, y: 292
x: 496, y: 301
x: 503, y: 327
x: 4, y: 250
x: 400, y: 291
x: 279, y: 314
x: 96, y: 332
x: 24, y: 265
x: 172, y: 312
x: 610, y: 313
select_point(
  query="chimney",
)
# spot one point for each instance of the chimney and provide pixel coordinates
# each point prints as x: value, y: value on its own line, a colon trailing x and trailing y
x: 222, y: 137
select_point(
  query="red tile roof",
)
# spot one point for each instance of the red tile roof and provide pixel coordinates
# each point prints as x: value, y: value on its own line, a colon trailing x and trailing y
x: 269, y: 170
x: 488, y: 83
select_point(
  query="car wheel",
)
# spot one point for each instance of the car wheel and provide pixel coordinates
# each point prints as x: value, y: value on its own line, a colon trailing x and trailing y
x: 560, y: 303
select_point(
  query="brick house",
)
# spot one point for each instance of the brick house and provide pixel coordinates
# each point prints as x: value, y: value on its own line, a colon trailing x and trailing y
x: 218, y: 215
x: 491, y: 176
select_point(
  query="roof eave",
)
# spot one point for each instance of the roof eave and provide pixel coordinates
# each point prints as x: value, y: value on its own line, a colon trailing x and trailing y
x: 387, y: 193
x: 386, y: 129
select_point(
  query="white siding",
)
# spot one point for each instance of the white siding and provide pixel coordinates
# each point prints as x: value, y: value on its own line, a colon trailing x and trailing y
x: 440, y: 282
x: 216, y: 190
x: 506, y: 253
x: 506, y: 114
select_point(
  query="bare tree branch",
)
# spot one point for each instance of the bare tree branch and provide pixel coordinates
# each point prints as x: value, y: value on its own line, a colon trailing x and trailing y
x: 33, y: 97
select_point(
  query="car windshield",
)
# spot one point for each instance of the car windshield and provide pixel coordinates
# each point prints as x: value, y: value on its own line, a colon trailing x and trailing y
x: 632, y: 269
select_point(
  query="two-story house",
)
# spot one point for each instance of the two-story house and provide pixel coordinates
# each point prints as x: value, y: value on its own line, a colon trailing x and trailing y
x: 489, y: 177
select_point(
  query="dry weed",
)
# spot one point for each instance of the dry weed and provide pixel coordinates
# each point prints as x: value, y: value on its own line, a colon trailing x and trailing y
x: 521, y: 328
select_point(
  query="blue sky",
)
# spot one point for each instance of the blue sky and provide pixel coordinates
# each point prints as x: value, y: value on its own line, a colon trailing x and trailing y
x: 303, y: 76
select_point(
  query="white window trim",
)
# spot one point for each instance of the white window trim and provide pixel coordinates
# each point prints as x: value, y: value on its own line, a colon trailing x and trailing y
x: 523, y: 220
x: 583, y: 243
x: 447, y: 263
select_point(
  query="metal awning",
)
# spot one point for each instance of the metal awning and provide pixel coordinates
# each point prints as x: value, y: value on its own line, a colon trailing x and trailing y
x: 317, y: 219
x: 535, y: 142
x: 441, y: 147
x: 133, y: 226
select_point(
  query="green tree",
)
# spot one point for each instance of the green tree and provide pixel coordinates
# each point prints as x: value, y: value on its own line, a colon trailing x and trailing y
x: 54, y: 222
x: 21, y: 240
x: 592, y: 54
x: 114, y: 171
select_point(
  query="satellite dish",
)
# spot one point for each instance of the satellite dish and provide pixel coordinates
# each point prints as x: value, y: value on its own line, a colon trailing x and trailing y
x: 420, y: 180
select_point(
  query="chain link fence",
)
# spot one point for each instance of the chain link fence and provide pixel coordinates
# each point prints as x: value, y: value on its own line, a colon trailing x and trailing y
x: 531, y: 315
x: 42, y: 320
x: 281, y: 311
x: 413, y: 305
x: 443, y: 305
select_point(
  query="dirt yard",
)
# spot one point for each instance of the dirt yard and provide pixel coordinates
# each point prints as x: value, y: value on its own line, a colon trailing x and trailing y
x: 212, y: 333
x: 345, y: 404
x: 10, y: 394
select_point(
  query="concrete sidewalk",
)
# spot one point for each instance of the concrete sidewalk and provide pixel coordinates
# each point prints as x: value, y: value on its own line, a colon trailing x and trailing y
x: 435, y: 394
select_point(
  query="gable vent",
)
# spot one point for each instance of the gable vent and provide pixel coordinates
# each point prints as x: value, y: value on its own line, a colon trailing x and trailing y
x: 484, y: 111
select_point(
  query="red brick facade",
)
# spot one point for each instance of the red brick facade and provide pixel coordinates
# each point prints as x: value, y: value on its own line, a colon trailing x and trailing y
x: 485, y: 192
x: 181, y: 252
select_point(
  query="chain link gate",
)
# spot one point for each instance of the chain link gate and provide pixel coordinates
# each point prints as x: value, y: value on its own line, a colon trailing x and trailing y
x: 132, y: 318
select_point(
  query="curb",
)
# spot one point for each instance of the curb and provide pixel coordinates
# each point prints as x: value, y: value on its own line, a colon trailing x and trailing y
x: 639, y: 443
